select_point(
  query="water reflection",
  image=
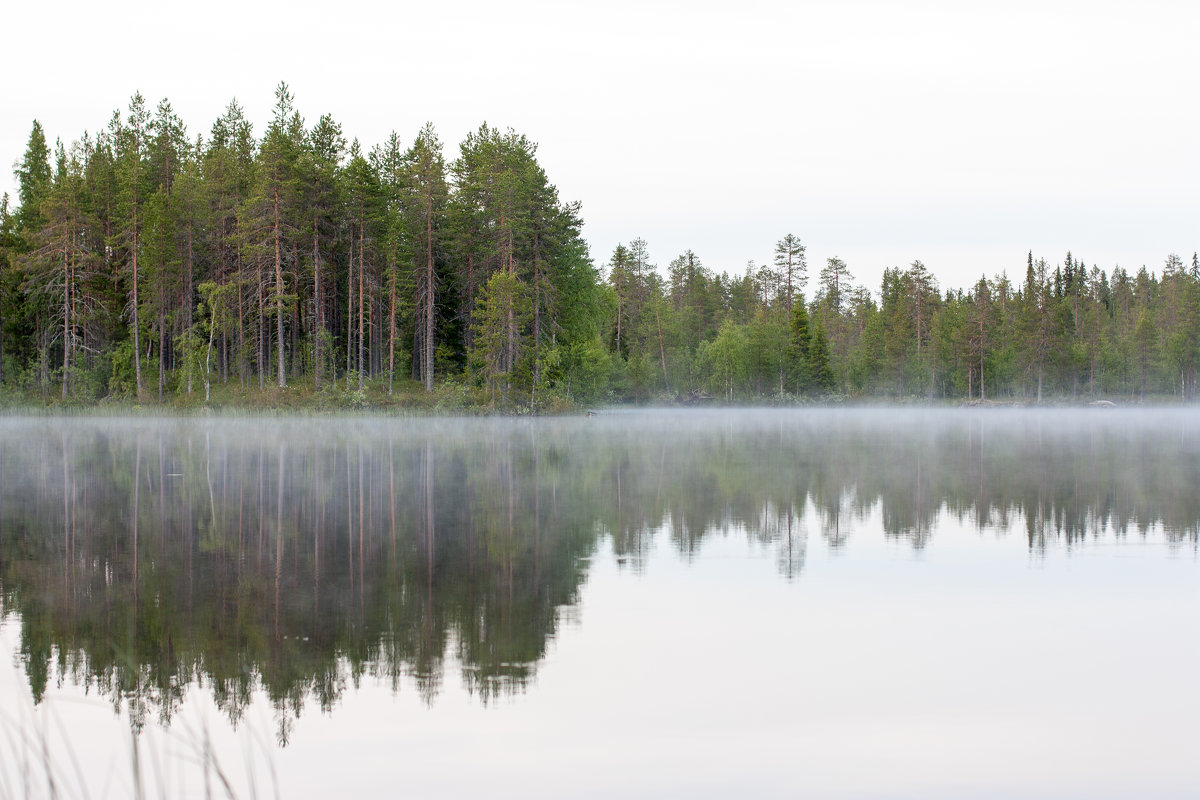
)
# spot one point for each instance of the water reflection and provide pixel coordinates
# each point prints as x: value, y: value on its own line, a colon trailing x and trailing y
x: 297, y: 557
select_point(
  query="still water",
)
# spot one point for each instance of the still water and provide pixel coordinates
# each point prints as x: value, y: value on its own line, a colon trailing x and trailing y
x: 641, y: 604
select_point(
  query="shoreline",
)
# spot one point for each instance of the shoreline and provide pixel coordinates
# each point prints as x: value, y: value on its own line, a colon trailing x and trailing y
x: 126, y: 409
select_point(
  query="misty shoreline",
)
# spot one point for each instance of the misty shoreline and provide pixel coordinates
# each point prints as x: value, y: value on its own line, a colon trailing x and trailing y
x: 695, y: 410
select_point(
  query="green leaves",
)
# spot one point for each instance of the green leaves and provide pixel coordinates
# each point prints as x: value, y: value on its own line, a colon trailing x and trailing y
x: 331, y: 258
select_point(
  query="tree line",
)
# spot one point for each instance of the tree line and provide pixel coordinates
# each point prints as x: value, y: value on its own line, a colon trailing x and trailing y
x: 1070, y: 330
x: 143, y: 263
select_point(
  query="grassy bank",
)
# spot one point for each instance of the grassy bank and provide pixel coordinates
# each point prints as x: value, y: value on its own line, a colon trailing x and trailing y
x: 405, y: 399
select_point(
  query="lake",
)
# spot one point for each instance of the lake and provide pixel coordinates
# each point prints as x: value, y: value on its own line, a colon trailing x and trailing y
x: 704, y: 603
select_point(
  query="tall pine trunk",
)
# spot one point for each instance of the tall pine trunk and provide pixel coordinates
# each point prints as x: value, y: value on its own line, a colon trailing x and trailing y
x: 429, y: 295
x: 318, y: 341
x: 349, y: 311
x: 279, y: 295
x: 392, y: 329
x: 162, y: 342
x: 263, y: 358
x: 137, y: 342
x: 66, y: 324
x: 361, y: 309
x: 982, y: 394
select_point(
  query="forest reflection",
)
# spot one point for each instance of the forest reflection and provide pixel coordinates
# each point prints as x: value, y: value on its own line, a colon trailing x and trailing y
x: 298, y: 557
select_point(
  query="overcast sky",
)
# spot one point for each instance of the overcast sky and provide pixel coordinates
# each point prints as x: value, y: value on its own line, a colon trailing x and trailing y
x: 961, y: 134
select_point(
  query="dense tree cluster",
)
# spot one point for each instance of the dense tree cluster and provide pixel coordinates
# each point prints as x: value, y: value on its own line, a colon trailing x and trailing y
x: 1067, y: 331
x: 141, y: 263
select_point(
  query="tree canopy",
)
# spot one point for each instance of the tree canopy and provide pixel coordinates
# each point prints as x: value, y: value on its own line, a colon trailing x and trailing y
x: 142, y: 262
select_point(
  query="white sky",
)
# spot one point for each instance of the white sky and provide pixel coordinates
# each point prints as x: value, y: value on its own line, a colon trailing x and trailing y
x: 962, y: 134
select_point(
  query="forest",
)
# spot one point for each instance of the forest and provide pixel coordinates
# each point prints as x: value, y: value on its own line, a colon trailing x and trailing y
x: 143, y: 264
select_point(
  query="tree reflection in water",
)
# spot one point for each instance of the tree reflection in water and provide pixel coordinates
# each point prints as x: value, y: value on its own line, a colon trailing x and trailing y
x: 299, y: 557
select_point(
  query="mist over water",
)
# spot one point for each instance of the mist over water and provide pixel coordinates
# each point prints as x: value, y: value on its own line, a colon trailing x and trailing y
x: 740, y: 591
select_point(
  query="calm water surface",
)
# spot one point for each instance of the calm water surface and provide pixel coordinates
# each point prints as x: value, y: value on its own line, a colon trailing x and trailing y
x: 643, y: 604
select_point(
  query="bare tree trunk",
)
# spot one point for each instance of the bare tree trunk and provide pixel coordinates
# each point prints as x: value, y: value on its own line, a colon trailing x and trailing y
x: 982, y: 394
x: 470, y: 298
x: 162, y: 329
x: 537, y: 320
x: 349, y: 311
x: 511, y: 355
x: 662, y: 353
x: 318, y: 315
x: 618, y: 293
x: 263, y: 358
x: 392, y: 330
x: 66, y: 324
x: 208, y: 357
x: 137, y: 342
x: 187, y: 297
x: 241, y: 329
x: 279, y: 296
x: 361, y: 284
x: 429, y: 294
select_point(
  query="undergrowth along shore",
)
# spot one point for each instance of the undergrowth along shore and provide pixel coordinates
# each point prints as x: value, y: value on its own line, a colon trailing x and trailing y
x: 453, y: 399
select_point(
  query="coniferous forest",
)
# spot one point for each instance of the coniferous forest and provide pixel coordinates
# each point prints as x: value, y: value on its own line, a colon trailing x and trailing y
x: 145, y: 262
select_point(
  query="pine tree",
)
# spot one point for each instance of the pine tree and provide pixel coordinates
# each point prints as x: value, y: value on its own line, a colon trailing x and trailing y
x: 1034, y: 329
x: 507, y: 216
x: 790, y: 261
x: 620, y: 281
x: 896, y: 323
x: 192, y: 205
x: 425, y: 206
x: 271, y: 227
x: 980, y: 335
x: 56, y: 269
x: 394, y: 244
x: 228, y: 166
x: 165, y: 151
x: 832, y: 300
x: 320, y: 162
x: 133, y: 190
x: 365, y: 202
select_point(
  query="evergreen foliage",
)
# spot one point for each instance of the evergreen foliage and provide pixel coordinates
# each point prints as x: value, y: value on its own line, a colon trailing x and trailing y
x: 818, y: 362
x: 140, y: 263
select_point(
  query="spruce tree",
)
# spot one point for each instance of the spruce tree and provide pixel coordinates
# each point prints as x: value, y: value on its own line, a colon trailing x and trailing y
x: 800, y: 340
x: 33, y: 179
x: 819, y: 366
